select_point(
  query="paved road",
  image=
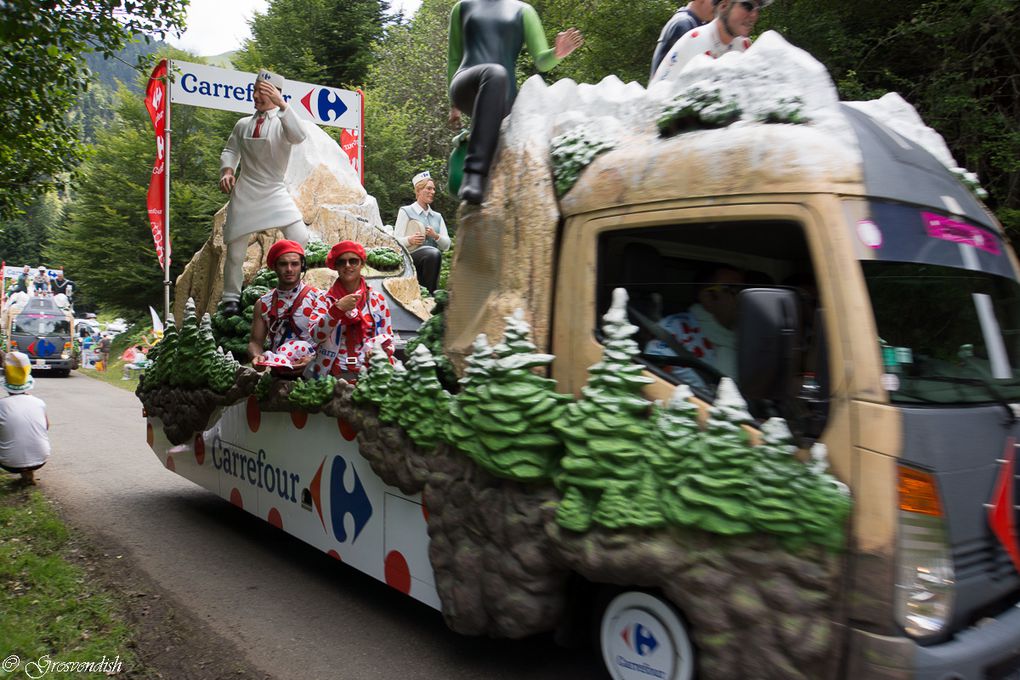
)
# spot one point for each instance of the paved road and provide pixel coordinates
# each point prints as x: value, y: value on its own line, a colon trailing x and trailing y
x: 292, y: 611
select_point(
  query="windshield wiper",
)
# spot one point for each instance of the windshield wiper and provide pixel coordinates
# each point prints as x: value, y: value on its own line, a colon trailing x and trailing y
x: 988, y: 387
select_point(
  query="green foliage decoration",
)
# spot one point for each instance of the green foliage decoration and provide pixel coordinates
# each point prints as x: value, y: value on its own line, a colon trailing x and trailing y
x: 373, y: 387
x: 572, y: 152
x: 384, y: 259
x: 389, y: 407
x: 311, y: 394
x: 699, y: 106
x: 431, y: 335
x: 502, y: 417
x: 315, y: 255
x: 715, y: 479
x: 262, y: 386
x: 265, y: 278
x: 605, y: 434
x: 163, y: 357
x: 420, y: 404
x: 799, y: 503
x: 788, y: 110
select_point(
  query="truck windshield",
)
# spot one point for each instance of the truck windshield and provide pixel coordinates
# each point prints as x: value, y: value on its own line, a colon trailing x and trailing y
x: 29, y: 325
x: 947, y: 334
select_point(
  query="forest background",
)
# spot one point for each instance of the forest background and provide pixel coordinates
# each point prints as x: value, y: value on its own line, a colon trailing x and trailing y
x: 76, y: 154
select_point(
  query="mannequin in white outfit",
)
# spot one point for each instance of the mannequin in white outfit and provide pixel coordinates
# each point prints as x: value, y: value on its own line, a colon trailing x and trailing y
x: 259, y: 200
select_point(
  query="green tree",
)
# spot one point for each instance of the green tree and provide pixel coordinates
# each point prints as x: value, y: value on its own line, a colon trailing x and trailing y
x: 43, y: 74
x: 106, y: 242
x: 318, y: 41
x: 22, y: 237
x: 619, y: 36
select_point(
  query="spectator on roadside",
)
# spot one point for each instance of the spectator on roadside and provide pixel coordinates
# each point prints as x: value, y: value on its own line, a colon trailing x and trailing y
x: 422, y: 231
x: 24, y: 442
x: 134, y: 360
x: 103, y: 352
x: 696, y: 13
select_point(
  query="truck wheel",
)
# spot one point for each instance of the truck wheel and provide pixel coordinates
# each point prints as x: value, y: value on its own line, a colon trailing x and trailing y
x: 643, y: 636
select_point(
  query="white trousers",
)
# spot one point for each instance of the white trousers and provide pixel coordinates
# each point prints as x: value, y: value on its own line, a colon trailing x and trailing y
x: 233, y: 268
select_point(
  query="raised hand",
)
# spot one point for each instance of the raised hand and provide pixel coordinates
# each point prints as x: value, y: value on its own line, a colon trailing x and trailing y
x: 568, y: 41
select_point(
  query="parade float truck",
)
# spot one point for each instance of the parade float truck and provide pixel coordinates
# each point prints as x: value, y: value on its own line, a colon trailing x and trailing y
x: 845, y: 507
x: 41, y: 326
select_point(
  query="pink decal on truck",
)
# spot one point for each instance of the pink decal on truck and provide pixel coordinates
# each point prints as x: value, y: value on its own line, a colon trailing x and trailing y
x: 948, y: 229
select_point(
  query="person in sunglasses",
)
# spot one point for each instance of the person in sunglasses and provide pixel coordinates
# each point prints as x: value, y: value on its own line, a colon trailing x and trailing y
x: 707, y: 329
x: 696, y: 13
x: 728, y: 32
x: 283, y: 314
x: 351, y: 319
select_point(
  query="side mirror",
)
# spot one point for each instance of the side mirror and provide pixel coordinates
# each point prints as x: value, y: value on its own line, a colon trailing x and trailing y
x: 768, y: 344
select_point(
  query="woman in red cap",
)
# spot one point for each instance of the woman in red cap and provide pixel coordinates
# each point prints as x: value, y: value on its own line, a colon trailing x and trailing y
x: 284, y: 313
x: 351, y: 319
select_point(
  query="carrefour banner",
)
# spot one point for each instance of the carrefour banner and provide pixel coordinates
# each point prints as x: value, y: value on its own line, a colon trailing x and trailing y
x: 219, y: 88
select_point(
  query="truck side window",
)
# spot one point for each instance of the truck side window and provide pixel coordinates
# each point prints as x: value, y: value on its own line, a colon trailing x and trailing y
x: 683, y: 283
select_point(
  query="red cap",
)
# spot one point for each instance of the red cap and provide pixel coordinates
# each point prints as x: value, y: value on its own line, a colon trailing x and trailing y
x: 344, y: 247
x: 282, y: 248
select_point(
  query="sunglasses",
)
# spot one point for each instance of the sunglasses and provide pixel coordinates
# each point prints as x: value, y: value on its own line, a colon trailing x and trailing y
x: 348, y: 262
x: 749, y: 6
x: 731, y: 289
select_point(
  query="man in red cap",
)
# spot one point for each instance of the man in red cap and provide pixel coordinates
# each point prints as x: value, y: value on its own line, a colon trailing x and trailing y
x: 284, y: 313
x: 351, y: 319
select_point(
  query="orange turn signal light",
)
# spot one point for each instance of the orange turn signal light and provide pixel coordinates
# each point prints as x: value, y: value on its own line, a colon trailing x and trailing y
x: 918, y: 492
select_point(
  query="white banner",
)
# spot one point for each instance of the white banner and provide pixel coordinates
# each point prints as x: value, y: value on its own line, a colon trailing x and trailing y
x: 219, y: 88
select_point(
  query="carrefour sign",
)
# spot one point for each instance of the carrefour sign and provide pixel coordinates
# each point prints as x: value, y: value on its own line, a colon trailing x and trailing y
x: 219, y: 88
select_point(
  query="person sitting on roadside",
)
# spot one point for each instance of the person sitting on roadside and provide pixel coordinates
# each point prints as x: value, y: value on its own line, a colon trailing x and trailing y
x: 283, y: 314
x: 707, y: 329
x: 351, y: 319
x: 728, y: 32
x: 24, y: 442
x: 134, y: 360
x: 422, y: 231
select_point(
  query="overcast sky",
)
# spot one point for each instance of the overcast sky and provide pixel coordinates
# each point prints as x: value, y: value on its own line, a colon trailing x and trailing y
x: 217, y: 26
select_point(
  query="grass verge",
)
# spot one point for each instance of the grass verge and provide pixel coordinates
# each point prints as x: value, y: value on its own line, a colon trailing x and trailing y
x: 50, y: 606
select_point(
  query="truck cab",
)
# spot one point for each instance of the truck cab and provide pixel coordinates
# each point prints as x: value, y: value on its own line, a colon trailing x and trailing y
x: 44, y: 331
x: 899, y: 351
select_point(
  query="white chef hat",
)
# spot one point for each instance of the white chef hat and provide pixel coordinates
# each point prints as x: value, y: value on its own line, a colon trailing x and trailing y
x: 420, y: 177
x: 274, y: 79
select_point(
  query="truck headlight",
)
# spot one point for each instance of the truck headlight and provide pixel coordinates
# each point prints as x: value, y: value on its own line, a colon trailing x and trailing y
x: 925, y: 577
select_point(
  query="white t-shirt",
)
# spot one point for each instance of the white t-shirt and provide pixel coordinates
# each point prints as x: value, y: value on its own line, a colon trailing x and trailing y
x: 23, y: 438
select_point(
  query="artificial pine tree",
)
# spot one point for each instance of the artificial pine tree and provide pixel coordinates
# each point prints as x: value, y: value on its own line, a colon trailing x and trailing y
x: 713, y: 486
x: 423, y: 404
x: 164, y: 357
x: 606, y: 432
x: 389, y: 407
x: 372, y: 387
x: 503, y: 415
x: 188, y: 349
x: 677, y: 434
x: 224, y: 372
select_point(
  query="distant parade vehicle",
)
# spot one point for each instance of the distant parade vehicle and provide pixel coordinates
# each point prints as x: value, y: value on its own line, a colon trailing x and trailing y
x: 43, y: 327
x: 559, y: 446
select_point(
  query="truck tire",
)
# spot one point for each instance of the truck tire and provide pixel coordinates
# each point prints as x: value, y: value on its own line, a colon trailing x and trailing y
x: 641, y: 635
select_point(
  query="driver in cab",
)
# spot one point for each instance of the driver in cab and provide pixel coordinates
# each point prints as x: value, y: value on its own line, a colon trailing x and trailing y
x: 707, y: 330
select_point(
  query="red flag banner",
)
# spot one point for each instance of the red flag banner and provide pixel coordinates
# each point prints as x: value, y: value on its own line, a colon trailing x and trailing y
x: 156, y: 102
x: 350, y: 142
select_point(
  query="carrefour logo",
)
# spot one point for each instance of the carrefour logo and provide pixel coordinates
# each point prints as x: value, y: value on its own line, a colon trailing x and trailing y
x: 323, y: 104
x: 639, y: 639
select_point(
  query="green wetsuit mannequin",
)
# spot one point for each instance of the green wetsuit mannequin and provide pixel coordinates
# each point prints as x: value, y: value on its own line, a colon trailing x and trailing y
x: 486, y: 36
